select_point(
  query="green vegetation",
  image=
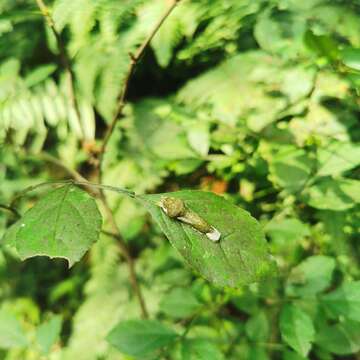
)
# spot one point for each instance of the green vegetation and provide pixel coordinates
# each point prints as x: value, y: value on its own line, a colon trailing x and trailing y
x: 254, y: 100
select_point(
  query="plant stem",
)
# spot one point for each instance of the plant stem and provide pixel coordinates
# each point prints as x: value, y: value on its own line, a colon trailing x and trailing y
x: 134, y: 59
x: 65, y: 61
x: 74, y: 182
x: 130, y: 261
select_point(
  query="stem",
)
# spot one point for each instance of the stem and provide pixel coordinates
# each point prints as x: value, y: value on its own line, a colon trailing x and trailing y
x: 65, y: 61
x: 134, y: 59
x: 130, y: 261
x: 74, y: 182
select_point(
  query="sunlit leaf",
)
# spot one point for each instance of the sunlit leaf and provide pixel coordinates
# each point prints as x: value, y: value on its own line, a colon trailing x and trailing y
x: 239, y: 257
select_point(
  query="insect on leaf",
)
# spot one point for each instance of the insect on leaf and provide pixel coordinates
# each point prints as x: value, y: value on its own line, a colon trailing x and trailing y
x: 239, y: 257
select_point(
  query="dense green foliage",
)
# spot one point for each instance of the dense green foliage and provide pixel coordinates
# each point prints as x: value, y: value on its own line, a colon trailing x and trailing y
x: 255, y: 100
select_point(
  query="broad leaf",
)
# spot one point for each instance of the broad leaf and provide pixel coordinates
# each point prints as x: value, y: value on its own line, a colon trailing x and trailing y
x: 340, y: 339
x: 297, y: 329
x: 140, y: 337
x: 239, y: 257
x: 64, y: 224
x: 334, y: 194
x: 311, y: 276
x: 48, y: 333
x: 11, y: 333
x: 257, y: 327
x: 200, y: 349
x: 179, y: 303
x: 344, y: 301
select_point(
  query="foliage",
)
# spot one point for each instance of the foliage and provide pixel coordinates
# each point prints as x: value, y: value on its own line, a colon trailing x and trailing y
x: 257, y: 101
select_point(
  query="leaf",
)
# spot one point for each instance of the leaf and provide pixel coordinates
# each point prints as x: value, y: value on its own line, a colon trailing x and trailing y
x: 287, y: 230
x: 291, y: 168
x: 257, y: 327
x: 140, y: 337
x: 48, y: 333
x: 200, y: 349
x: 64, y: 224
x: 179, y: 303
x: 311, y: 276
x: 297, y: 329
x: 158, y: 129
x: 344, y: 301
x: 337, y: 158
x: 11, y: 333
x: 351, y: 58
x: 40, y: 74
x: 334, y: 194
x: 234, y: 89
x: 340, y: 339
x: 239, y: 257
x: 199, y: 138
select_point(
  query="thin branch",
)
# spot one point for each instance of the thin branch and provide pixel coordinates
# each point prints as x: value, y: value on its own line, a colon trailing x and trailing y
x: 11, y: 209
x: 134, y: 59
x: 74, y: 182
x: 130, y: 261
x: 65, y: 61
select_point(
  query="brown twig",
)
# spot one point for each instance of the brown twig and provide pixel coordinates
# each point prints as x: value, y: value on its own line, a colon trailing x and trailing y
x: 126, y: 253
x: 134, y: 59
x: 65, y: 61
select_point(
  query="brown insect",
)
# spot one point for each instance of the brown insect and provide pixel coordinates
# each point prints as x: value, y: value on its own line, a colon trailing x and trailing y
x: 175, y: 208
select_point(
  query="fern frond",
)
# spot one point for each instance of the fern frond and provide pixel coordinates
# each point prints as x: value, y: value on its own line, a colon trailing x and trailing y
x: 27, y: 112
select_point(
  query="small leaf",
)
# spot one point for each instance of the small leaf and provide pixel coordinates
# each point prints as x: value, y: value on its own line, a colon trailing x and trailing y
x: 297, y: 329
x: 257, y: 327
x: 140, y: 337
x: 200, y: 349
x: 334, y: 194
x: 351, y: 58
x: 11, y: 333
x: 48, y: 333
x: 64, y: 224
x: 344, y: 301
x: 340, y: 339
x: 311, y: 276
x: 179, y: 303
x: 239, y: 257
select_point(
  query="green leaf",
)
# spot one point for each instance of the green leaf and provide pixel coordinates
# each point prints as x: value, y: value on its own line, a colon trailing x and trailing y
x: 200, y: 349
x: 351, y: 58
x: 257, y: 327
x: 179, y: 303
x: 291, y: 168
x: 311, y: 276
x: 199, y: 138
x: 334, y: 194
x: 239, y: 257
x: 48, y: 333
x: 11, y: 333
x: 283, y: 231
x: 140, y: 337
x: 337, y: 158
x: 340, y: 339
x: 40, y: 74
x: 64, y: 224
x: 297, y: 329
x: 344, y: 301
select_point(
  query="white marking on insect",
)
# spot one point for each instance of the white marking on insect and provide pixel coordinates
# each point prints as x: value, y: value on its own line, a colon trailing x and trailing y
x: 214, y: 235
